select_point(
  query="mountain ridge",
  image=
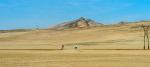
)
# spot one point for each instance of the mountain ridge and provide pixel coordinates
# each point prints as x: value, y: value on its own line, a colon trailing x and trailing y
x: 78, y: 23
x: 82, y: 22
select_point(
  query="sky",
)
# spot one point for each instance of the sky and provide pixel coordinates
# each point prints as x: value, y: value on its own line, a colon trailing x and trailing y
x: 25, y: 14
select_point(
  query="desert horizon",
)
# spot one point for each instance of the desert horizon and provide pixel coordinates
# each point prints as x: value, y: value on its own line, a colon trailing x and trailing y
x: 74, y: 33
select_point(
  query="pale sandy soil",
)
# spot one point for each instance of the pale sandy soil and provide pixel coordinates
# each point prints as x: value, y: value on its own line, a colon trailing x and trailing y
x: 94, y: 38
x: 74, y: 58
x: 111, y: 37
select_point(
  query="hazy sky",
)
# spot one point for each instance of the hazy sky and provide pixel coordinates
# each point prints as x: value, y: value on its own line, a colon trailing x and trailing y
x: 29, y: 13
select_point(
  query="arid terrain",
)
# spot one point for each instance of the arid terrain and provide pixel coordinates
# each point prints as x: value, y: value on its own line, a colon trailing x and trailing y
x: 118, y: 45
x: 74, y: 58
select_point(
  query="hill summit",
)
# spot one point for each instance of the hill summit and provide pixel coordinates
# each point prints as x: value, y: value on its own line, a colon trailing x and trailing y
x: 78, y: 23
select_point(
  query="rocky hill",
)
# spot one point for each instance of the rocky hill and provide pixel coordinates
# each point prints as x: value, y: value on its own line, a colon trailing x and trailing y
x: 78, y: 23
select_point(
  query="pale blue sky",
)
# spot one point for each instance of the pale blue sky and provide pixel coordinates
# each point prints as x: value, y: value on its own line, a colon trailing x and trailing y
x: 16, y: 14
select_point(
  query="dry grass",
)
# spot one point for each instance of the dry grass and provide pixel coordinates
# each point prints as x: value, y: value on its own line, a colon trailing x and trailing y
x: 111, y: 37
x: 73, y: 58
x: 94, y: 38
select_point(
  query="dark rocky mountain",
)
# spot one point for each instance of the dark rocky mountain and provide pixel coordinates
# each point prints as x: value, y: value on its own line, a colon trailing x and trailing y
x: 78, y: 23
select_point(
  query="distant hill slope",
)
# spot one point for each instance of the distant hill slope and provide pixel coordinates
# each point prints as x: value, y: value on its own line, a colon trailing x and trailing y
x: 78, y: 23
x: 15, y: 30
x: 116, y: 36
x: 132, y: 25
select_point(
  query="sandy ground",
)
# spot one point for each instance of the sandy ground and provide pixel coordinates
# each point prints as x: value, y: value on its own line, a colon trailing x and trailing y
x: 42, y: 42
x: 94, y: 38
x: 74, y: 58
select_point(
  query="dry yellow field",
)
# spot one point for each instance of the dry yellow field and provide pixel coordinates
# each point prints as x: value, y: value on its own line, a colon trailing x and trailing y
x: 94, y: 38
x: 74, y: 58
x: 39, y: 48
